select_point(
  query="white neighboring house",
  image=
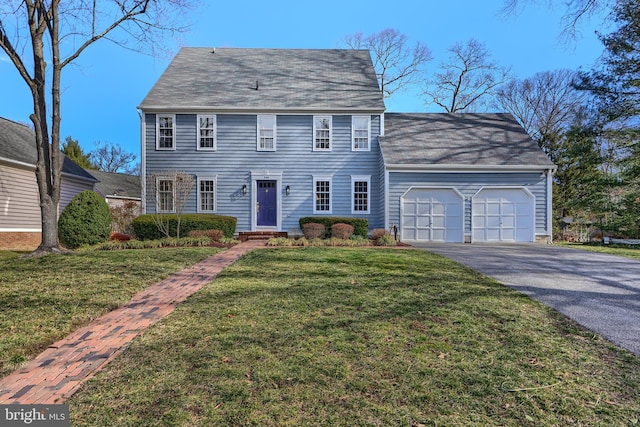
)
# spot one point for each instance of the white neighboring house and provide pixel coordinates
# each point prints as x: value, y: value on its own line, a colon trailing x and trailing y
x: 20, y: 223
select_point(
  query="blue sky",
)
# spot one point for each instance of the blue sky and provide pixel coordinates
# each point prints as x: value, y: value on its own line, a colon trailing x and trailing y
x: 101, y: 91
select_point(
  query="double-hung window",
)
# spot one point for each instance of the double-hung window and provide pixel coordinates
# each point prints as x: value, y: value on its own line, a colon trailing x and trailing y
x: 321, y: 133
x: 322, y: 194
x: 207, y: 132
x: 267, y: 132
x: 361, y: 133
x: 165, y: 195
x: 360, y: 194
x: 207, y: 194
x: 165, y: 132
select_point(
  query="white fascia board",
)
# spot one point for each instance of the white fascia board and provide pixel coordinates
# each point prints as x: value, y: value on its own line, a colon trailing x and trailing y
x: 444, y: 168
x: 21, y: 165
x: 256, y: 110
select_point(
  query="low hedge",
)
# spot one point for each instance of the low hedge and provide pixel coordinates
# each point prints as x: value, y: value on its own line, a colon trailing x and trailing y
x: 145, y: 227
x: 360, y: 225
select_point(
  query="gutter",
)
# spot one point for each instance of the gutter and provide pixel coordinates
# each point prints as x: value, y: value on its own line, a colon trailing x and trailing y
x: 447, y: 168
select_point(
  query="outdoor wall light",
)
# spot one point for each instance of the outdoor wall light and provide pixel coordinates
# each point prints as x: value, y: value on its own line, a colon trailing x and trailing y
x: 244, y: 189
x: 287, y: 190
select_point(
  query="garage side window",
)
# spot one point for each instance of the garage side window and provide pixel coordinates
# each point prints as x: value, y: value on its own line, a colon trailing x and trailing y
x: 322, y: 194
x: 360, y: 194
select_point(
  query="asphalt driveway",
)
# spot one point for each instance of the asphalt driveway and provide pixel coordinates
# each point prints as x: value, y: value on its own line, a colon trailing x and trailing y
x: 599, y: 291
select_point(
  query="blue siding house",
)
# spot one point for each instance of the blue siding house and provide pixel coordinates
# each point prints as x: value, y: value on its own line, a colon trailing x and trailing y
x: 273, y: 135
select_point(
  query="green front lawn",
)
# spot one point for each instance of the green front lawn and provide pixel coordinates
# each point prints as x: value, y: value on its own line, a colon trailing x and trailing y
x: 626, y: 251
x: 350, y: 337
x: 44, y: 299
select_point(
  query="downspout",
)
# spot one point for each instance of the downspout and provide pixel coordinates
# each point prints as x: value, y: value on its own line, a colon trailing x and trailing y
x: 143, y: 163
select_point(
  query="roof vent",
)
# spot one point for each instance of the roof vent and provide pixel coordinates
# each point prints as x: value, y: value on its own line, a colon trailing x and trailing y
x: 257, y: 84
x: 214, y: 50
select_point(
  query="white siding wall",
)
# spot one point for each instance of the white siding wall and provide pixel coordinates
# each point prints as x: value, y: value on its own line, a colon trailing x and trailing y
x: 19, y: 201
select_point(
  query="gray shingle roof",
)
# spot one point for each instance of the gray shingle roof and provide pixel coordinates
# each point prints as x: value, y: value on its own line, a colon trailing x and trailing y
x: 17, y: 143
x: 117, y: 184
x: 443, y: 139
x: 287, y: 79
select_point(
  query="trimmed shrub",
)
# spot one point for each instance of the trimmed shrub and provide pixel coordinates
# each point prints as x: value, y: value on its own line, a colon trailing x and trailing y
x: 377, y: 233
x: 313, y: 230
x: 341, y: 231
x: 86, y: 220
x: 145, y: 227
x: 360, y: 225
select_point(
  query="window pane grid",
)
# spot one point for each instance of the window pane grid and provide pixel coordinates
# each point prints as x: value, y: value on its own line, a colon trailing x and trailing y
x: 360, y: 196
x: 165, y: 130
x: 207, y: 195
x: 207, y: 132
x: 322, y: 133
x: 267, y: 133
x: 266, y: 139
x: 165, y: 195
x: 323, y: 197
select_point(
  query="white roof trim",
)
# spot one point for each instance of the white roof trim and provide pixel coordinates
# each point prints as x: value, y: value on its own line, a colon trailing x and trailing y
x: 191, y: 109
x: 17, y: 163
x: 445, y: 168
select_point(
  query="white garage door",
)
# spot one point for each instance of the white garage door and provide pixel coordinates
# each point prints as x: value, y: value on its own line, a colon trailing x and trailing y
x: 502, y: 215
x: 431, y: 215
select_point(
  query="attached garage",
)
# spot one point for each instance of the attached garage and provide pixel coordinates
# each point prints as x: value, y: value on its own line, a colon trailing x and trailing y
x: 465, y: 178
x: 503, y: 215
x: 432, y: 215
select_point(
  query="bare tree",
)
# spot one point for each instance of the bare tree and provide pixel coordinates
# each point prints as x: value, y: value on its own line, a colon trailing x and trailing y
x: 467, y: 79
x: 171, y: 190
x: 42, y: 37
x: 575, y: 11
x: 111, y: 157
x: 396, y: 63
x: 545, y: 104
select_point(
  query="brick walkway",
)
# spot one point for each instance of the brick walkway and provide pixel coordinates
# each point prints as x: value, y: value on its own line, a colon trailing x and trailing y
x: 55, y: 374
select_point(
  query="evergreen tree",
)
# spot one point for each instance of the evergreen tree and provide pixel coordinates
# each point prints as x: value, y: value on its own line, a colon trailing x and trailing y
x: 72, y: 149
x: 616, y: 88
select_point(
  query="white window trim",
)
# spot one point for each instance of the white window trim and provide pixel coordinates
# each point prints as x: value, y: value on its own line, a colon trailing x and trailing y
x: 263, y: 116
x: 323, y: 178
x: 315, y: 147
x: 213, y: 178
x: 199, y: 147
x: 353, y: 134
x: 173, y: 123
x: 361, y: 178
x: 173, y: 199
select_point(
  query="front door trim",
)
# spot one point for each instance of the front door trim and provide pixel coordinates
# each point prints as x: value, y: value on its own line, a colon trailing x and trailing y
x: 266, y: 175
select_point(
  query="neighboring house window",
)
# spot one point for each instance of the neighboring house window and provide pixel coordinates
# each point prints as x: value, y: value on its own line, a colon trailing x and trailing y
x: 165, y: 195
x: 207, y: 194
x: 322, y: 194
x: 267, y: 133
x: 360, y: 194
x: 207, y: 132
x: 165, y: 131
x: 361, y: 132
x: 322, y: 133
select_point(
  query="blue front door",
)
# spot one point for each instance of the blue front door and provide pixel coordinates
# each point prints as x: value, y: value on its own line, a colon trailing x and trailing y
x: 267, y: 206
